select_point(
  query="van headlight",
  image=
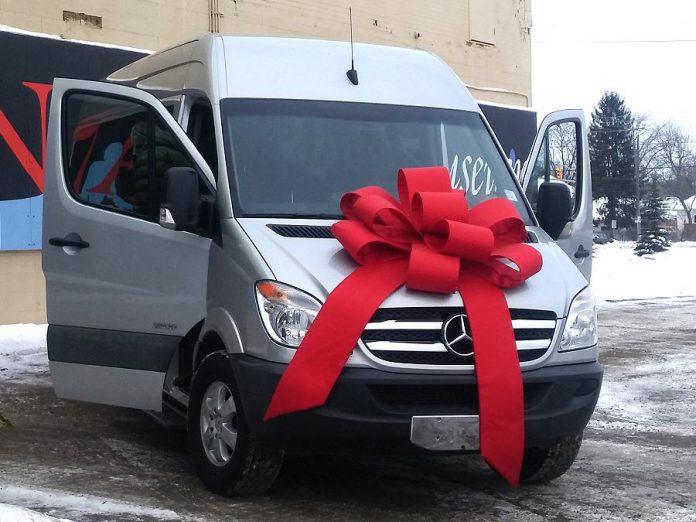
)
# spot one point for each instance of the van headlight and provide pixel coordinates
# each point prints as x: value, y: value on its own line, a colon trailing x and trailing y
x: 581, y: 325
x: 286, y: 312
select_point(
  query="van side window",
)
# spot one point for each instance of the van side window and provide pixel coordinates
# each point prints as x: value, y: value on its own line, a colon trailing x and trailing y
x: 201, y: 131
x: 117, y: 152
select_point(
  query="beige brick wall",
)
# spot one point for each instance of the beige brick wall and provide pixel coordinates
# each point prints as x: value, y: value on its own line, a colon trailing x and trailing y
x: 22, y: 288
x: 439, y: 25
x: 500, y: 72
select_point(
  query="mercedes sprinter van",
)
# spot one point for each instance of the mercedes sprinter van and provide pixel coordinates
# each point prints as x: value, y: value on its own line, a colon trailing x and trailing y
x: 190, y: 189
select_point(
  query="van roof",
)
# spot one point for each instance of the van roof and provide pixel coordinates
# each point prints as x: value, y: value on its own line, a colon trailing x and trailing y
x: 293, y: 68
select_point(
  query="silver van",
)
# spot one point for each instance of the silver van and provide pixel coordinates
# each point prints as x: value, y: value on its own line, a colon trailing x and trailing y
x: 185, y: 181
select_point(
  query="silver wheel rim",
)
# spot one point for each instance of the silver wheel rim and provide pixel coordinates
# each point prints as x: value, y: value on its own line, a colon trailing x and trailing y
x: 218, y: 423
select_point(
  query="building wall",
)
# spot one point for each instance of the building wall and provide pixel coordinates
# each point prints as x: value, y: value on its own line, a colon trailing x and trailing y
x: 22, y: 288
x: 486, y: 42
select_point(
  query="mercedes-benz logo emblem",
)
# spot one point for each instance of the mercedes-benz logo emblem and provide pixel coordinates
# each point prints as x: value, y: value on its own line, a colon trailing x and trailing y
x: 456, y: 338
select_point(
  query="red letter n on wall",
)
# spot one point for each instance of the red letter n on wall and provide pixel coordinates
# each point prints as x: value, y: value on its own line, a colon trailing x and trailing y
x: 26, y: 159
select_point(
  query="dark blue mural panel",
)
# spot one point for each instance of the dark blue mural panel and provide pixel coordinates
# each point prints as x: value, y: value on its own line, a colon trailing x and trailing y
x: 29, y: 64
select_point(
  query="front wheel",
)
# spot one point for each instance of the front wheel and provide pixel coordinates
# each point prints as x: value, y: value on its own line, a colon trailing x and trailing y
x: 228, y: 459
x: 544, y: 464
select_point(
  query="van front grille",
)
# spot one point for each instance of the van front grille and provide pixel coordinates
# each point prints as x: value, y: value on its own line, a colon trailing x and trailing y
x: 415, y: 336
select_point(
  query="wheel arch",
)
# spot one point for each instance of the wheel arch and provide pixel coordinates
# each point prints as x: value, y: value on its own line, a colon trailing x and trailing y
x: 219, y: 333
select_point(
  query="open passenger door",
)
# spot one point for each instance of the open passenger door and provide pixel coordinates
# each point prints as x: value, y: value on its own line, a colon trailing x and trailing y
x: 126, y: 272
x: 560, y: 153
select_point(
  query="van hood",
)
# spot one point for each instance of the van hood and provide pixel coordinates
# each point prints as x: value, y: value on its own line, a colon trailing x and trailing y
x: 318, y: 264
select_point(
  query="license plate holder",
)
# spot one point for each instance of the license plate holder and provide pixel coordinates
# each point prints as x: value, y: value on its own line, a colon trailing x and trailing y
x: 446, y: 432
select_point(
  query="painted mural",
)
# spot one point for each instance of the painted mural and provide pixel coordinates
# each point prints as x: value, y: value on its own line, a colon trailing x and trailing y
x: 29, y: 64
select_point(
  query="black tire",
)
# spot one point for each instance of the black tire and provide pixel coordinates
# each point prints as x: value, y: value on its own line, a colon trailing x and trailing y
x: 544, y: 464
x: 251, y: 469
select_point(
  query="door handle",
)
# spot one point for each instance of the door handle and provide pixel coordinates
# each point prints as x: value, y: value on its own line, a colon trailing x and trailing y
x: 68, y: 242
x: 581, y: 252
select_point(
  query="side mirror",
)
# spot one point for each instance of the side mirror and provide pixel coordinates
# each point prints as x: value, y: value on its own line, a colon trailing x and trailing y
x: 181, y: 207
x: 554, y: 207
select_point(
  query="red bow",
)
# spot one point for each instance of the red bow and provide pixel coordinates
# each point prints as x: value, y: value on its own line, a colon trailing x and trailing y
x: 430, y: 241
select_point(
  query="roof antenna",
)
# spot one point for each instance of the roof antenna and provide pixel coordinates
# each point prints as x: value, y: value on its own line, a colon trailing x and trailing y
x: 352, y: 74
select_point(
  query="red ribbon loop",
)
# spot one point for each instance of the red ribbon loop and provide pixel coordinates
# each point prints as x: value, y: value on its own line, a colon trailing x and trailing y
x: 467, y: 241
x: 500, y: 215
x: 364, y: 245
x: 430, y: 241
x: 431, y: 271
x: 429, y: 208
x: 424, y: 179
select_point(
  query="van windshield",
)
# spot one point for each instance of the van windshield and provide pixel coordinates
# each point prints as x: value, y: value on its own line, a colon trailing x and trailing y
x: 296, y: 158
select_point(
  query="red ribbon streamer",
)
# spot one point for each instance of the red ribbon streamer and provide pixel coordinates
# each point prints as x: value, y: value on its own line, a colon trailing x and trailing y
x: 429, y: 241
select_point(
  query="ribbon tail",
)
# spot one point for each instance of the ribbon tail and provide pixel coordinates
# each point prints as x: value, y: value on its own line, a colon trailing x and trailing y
x: 501, y: 399
x: 315, y: 368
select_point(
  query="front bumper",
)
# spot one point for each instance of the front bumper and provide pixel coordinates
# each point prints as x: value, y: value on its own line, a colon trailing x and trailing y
x: 372, y: 409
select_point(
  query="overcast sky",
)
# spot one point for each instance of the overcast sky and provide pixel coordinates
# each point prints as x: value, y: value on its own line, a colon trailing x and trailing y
x: 580, y: 48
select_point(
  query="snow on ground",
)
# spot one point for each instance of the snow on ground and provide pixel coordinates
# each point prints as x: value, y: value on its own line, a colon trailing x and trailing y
x: 18, y: 514
x: 23, y: 352
x: 654, y: 396
x: 75, y: 506
x: 619, y: 275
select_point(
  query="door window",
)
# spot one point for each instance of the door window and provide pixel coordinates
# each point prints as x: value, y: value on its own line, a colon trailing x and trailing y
x: 558, y: 160
x: 117, y: 152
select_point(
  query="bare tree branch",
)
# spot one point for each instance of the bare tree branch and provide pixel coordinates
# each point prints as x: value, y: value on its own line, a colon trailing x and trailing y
x: 677, y: 160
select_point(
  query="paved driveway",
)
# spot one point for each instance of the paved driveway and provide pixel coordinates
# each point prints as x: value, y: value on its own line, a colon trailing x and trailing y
x: 638, y: 460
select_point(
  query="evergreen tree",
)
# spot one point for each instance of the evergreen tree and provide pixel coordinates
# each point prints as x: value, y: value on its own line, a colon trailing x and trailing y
x: 611, y: 152
x: 653, y: 238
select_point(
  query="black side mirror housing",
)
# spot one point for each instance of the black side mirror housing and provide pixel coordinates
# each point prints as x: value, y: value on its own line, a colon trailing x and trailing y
x: 554, y: 207
x: 181, y: 207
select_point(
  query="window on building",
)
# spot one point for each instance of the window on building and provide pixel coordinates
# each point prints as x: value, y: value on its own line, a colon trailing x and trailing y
x: 482, y: 22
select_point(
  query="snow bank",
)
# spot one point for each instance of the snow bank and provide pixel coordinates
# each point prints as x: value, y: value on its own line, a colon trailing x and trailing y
x: 618, y: 274
x: 23, y: 352
x: 18, y: 514
x: 78, y: 506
